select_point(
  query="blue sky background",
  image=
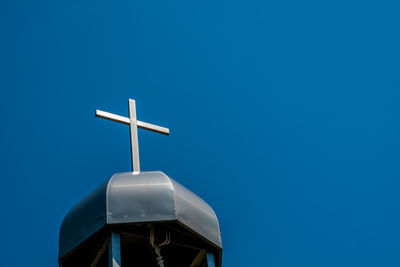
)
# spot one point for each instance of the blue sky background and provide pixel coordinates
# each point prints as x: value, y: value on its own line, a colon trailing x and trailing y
x: 284, y: 118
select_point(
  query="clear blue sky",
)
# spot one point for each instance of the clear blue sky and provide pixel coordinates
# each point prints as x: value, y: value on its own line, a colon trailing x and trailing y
x: 285, y: 118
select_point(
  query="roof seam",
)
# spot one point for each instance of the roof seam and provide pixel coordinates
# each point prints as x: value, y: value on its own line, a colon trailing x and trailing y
x: 107, y: 190
x: 173, y: 193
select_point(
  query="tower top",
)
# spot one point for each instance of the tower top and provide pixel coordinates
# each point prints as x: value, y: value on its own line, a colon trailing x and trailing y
x: 133, y: 125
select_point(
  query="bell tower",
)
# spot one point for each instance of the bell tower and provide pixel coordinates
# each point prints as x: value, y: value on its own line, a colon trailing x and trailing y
x: 140, y: 219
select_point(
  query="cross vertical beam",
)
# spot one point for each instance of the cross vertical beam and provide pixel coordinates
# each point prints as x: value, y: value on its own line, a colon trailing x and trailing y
x: 134, y: 136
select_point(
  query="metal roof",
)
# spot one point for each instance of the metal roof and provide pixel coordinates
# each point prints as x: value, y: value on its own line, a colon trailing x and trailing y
x: 137, y: 198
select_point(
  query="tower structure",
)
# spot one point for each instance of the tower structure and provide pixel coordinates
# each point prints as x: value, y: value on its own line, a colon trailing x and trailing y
x: 140, y: 219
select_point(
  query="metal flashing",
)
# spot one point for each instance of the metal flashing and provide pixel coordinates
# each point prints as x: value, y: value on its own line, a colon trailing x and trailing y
x: 129, y: 198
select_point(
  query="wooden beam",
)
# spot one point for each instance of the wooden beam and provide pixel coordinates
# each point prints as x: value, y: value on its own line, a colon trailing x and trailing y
x: 198, y: 259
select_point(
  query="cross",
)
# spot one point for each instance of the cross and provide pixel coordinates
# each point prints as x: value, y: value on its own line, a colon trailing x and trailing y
x: 133, y: 125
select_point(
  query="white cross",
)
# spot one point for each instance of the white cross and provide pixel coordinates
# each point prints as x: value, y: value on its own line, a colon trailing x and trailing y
x: 134, y: 124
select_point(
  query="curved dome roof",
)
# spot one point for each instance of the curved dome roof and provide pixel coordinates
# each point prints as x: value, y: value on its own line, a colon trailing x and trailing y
x: 138, y: 198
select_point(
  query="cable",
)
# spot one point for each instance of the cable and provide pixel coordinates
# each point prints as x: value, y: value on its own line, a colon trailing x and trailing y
x: 157, y: 248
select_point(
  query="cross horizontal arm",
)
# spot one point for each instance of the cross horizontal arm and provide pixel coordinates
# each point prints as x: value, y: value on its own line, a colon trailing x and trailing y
x: 112, y: 117
x: 125, y: 120
x: 152, y: 127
